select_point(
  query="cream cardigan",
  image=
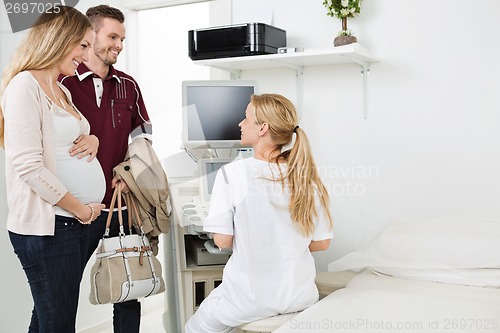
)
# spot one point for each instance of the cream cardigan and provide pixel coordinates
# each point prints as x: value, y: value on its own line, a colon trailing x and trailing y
x: 30, y: 163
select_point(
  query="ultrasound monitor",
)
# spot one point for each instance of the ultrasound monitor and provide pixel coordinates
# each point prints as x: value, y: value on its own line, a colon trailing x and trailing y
x: 208, y: 170
x: 212, y: 110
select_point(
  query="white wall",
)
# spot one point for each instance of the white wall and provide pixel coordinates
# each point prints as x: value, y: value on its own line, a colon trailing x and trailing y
x: 430, y: 144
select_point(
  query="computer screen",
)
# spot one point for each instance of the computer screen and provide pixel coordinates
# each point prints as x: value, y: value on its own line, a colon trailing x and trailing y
x: 212, y: 110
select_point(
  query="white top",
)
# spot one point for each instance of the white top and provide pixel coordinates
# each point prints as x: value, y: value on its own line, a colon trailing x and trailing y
x: 75, y: 173
x: 271, y: 270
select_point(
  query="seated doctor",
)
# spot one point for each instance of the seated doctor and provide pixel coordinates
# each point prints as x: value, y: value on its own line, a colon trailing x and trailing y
x: 273, y: 210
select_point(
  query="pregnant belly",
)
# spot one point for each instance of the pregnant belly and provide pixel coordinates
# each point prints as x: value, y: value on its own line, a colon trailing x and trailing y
x: 84, y: 179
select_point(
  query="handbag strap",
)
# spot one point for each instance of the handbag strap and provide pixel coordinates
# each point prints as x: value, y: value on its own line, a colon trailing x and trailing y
x: 117, y: 199
x: 120, y: 214
x: 110, y: 212
x: 133, y: 210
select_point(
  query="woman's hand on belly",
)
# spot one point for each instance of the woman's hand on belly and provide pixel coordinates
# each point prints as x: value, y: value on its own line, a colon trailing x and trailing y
x: 85, y: 145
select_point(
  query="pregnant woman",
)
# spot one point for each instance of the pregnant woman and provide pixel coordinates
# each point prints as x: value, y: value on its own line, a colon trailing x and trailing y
x: 52, y: 196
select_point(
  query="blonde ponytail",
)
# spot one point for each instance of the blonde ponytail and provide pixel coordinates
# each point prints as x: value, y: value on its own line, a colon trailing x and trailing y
x: 302, y: 175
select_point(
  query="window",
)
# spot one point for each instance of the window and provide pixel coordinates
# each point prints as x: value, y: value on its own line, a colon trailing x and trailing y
x: 163, y: 64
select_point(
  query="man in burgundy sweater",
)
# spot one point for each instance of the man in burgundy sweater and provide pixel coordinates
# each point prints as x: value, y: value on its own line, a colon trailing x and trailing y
x: 112, y: 102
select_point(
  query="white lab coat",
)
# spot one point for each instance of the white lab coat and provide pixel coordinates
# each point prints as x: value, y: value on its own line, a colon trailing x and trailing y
x: 271, y: 270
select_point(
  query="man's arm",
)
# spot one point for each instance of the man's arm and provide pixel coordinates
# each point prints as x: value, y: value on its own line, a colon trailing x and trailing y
x: 141, y: 125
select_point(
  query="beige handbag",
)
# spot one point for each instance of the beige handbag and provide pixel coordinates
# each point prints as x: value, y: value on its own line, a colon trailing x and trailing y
x: 125, y: 267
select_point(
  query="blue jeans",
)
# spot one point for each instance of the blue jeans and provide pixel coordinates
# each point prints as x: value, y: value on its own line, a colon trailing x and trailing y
x: 126, y: 315
x: 54, y: 266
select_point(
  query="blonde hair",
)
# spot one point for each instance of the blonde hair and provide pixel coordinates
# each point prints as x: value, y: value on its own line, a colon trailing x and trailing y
x: 301, y: 174
x: 51, y: 39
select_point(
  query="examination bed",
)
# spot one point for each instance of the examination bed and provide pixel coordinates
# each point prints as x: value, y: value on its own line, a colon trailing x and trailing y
x: 416, y: 275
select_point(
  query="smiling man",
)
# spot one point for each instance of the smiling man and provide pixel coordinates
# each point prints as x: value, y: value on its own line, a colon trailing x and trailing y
x: 112, y: 102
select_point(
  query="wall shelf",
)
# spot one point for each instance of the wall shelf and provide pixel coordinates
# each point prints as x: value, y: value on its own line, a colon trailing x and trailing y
x: 298, y: 61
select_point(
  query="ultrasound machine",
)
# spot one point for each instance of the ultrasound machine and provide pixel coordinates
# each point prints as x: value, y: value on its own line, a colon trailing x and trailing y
x: 212, y: 110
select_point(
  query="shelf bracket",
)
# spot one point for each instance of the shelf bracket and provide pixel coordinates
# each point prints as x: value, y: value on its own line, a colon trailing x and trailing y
x: 365, y: 71
x: 235, y: 74
x: 299, y: 79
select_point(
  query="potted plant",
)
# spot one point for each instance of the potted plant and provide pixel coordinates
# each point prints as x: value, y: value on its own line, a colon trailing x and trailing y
x: 343, y: 9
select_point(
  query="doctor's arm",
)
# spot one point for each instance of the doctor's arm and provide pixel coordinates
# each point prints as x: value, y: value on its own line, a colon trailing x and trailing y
x: 320, y: 245
x: 223, y: 241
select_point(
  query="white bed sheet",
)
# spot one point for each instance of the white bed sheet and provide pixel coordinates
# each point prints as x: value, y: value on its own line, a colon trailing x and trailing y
x: 377, y: 303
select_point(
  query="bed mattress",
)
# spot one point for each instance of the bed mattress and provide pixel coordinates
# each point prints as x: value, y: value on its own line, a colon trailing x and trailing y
x: 379, y: 303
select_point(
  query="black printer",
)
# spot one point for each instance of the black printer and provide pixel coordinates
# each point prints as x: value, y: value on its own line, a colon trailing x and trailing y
x: 235, y: 40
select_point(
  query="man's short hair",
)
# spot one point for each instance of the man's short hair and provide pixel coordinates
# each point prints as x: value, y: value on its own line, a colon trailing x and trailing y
x: 97, y: 13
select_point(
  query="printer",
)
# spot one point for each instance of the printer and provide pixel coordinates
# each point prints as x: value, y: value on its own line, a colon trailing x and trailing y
x: 235, y: 40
